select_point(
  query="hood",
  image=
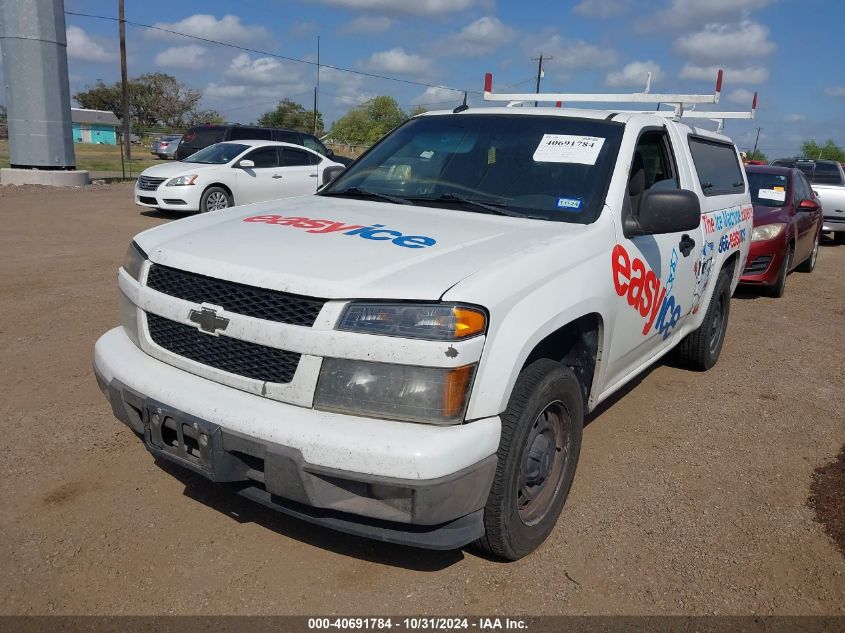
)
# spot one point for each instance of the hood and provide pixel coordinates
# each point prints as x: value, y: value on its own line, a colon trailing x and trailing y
x: 768, y: 215
x: 177, y: 168
x: 341, y: 248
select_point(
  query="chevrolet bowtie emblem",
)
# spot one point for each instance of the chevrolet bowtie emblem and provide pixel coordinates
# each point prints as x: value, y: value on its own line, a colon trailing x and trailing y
x: 208, y: 320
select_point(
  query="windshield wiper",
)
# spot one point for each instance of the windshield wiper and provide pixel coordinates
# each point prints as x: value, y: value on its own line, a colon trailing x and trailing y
x: 357, y: 192
x: 497, y: 208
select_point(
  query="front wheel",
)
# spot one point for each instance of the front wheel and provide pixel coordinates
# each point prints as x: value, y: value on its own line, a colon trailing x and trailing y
x: 700, y: 349
x: 215, y: 199
x: 538, y: 454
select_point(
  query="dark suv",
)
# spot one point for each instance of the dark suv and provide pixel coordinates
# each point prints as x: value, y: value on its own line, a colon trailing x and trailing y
x: 200, y: 136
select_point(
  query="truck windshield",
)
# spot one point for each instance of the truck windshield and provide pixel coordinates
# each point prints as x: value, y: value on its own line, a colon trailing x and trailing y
x: 218, y: 154
x: 537, y: 166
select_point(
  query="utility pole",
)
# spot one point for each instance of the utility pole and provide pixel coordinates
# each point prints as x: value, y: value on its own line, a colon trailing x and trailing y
x: 754, y: 153
x: 317, y: 87
x: 539, y: 61
x: 124, y: 84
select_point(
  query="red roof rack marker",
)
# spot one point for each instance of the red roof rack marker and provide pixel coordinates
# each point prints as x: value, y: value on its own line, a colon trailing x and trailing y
x: 488, y: 82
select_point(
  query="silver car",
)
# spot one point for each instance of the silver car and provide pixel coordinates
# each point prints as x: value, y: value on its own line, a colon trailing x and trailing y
x: 165, y: 146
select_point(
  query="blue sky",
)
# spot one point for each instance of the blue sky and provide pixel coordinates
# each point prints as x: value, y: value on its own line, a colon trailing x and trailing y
x: 785, y: 49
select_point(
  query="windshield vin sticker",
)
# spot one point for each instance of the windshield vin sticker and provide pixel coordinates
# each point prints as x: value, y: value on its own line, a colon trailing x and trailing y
x: 772, y: 194
x: 568, y: 148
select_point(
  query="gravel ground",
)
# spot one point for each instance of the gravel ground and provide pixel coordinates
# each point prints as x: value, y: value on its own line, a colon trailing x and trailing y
x: 690, y: 497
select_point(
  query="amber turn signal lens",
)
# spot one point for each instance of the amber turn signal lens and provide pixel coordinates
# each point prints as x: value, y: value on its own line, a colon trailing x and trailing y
x: 455, y: 389
x: 469, y: 322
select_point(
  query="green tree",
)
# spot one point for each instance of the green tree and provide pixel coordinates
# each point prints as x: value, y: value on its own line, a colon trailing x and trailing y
x: 155, y: 99
x: 368, y: 122
x: 417, y: 109
x: 828, y: 151
x: 292, y: 115
x: 757, y: 155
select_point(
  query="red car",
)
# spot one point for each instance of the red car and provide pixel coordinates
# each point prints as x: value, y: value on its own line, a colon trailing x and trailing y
x: 787, y: 227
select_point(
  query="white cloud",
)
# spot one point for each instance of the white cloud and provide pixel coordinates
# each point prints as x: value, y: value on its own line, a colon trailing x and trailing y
x: 189, y: 57
x: 635, y: 74
x: 224, y: 91
x: 835, y: 91
x: 412, y: 7
x: 602, y: 8
x: 80, y: 46
x: 746, y: 75
x: 367, y: 24
x: 227, y: 29
x: 439, y: 97
x: 397, y: 61
x: 741, y: 96
x: 567, y: 54
x: 726, y: 42
x: 795, y: 118
x: 479, y: 38
x: 685, y: 13
x: 346, y: 88
x: 263, y: 70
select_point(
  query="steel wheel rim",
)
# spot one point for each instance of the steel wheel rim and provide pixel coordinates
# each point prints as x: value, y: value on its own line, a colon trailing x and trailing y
x: 544, y: 458
x: 718, y: 323
x: 216, y: 200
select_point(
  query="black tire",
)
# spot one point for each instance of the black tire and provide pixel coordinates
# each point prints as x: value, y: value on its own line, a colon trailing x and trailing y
x: 779, y: 287
x: 213, y: 199
x: 700, y: 349
x: 163, y: 156
x: 809, y: 264
x: 839, y: 237
x: 538, y: 454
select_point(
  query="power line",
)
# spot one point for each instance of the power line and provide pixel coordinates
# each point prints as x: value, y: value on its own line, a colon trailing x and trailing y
x: 267, y: 54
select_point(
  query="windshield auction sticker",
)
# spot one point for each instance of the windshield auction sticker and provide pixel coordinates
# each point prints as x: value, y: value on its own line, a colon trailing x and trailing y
x: 772, y: 194
x: 568, y: 148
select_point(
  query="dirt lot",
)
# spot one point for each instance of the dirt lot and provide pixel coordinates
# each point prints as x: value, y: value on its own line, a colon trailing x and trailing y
x: 690, y: 496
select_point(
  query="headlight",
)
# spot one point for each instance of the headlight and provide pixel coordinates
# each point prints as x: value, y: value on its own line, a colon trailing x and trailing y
x: 133, y: 263
x: 181, y: 180
x: 435, y: 395
x: 766, y: 232
x: 427, y: 321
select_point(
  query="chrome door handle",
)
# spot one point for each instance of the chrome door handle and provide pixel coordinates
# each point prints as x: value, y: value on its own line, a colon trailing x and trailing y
x: 277, y: 176
x: 313, y: 175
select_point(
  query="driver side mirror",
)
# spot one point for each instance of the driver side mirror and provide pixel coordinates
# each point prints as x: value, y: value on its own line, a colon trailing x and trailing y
x: 329, y: 153
x: 331, y: 173
x: 667, y: 211
x: 246, y: 164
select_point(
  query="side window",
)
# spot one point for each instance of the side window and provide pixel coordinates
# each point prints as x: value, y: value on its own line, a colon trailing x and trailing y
x: 297, y: 157
x: 243, y: 133
x: 718, y: 168
x: 654, y: 154
x: 800, y: 190
x: 313, y: 144
x: 264, y: 157
x: 287, y: 137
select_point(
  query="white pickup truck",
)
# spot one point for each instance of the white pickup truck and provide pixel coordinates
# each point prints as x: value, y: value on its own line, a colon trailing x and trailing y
x: 409, y: 355
x: 828, y: 180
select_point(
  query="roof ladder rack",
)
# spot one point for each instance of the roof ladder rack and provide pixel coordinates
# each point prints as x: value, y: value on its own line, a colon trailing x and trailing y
x: 679, y: 102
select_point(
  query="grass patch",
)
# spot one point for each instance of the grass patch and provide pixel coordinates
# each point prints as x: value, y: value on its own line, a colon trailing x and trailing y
x: 99, y: 157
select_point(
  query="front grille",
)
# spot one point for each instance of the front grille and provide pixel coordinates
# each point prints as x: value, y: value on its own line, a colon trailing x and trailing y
x: 234, y: 297
x: 759, y: 265
x: 146, y: 183
x: 227, y: 354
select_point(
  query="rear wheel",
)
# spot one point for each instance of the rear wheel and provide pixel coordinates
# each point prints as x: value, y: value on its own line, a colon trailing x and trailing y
x: 809, y: 264
x: 701, y: 348
x: 538, y: 454
x: 839, y: 237
x: 215, y: 199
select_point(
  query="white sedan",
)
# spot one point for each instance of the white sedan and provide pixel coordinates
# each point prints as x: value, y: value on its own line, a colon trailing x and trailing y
x: 226, y: 174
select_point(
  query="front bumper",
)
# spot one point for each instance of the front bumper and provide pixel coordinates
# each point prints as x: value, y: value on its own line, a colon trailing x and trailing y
x: 189, y: 420
x: 764, y: 262
x: 179, y: 199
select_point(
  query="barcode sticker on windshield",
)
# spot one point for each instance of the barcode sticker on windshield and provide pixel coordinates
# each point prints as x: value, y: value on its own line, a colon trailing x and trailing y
x: 568, y: 148
x: 772, y: 194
